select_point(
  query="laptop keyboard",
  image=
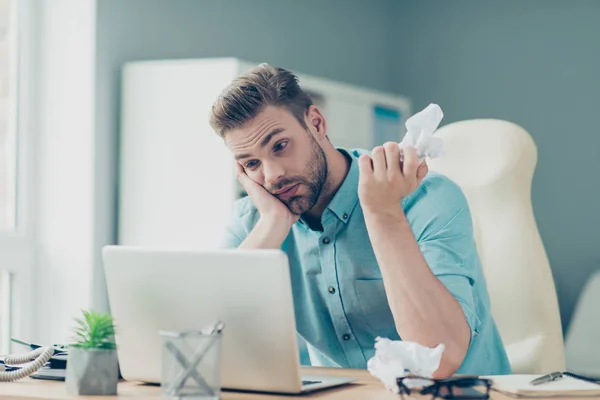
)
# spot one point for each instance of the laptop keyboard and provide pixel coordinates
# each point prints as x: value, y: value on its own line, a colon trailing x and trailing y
x: 310, y: 382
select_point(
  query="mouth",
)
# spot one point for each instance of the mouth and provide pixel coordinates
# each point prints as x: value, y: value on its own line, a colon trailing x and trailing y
x: 288, y: 192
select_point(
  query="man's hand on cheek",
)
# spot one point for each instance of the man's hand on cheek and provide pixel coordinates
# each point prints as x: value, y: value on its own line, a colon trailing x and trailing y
x: 269, y: 206
x: 385, y: 180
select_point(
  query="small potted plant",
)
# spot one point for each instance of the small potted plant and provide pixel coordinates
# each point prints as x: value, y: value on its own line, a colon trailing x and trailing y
x: 92, y: 365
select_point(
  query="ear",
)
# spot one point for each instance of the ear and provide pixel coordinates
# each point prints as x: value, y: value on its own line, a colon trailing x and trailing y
x: 316, y: 122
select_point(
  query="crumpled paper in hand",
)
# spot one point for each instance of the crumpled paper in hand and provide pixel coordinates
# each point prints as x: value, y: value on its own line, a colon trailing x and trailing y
x: 419, y: 133
x: 396, y: 358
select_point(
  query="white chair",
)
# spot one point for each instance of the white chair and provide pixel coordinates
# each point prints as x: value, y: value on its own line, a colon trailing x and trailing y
x: 493, y: 162
x: 582, y: 347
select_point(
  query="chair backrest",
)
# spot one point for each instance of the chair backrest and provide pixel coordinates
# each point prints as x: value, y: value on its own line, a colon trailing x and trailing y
x: 493, y: 162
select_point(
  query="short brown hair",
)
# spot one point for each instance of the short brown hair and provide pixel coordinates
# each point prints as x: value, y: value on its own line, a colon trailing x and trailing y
x: 249, y: 94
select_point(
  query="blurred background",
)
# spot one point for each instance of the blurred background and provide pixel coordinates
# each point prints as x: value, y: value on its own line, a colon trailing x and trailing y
x: 534, y: 63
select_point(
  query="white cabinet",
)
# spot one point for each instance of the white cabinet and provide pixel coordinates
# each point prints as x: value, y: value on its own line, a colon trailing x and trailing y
x: 177, y: 183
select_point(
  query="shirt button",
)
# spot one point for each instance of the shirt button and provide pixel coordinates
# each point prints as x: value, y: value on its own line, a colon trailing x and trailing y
x: 326, y: 240
x: 346, y: 337
x: 345, y: 216
x: 331, y: 289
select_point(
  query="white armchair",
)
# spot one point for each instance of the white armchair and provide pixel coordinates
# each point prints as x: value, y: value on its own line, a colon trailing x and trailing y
x: 493, y: 162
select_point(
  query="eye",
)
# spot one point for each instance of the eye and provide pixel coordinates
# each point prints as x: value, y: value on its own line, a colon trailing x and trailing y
x: 280, y: 146
x: 251, y: 164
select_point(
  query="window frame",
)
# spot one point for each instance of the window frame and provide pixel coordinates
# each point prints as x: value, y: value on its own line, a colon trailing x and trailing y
x: 17, y: 245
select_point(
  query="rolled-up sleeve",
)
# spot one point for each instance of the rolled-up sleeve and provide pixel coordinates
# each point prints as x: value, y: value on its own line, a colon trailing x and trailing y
x: 230, y: 239
x: 445, y: 237
x: 243, y: 219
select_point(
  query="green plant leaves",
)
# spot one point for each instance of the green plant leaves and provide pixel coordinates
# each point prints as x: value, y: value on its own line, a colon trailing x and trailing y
x: 95, y: 331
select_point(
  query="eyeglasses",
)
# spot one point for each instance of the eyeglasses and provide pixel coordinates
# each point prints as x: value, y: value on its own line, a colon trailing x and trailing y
x: 471, y: 388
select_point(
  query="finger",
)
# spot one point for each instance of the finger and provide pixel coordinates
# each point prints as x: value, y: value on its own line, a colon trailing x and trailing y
x: 379, y: 164
x: 240, y: 174
x: 392, y: 157
x: 365, y: 167
x: 422, y: 171
x: 238, y: 169
x: 411, y: 163
x: 402, y: 159
x: 247, y: 183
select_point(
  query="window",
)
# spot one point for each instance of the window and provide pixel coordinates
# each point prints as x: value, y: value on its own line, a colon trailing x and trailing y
x: 16, y: 244
x: 4, y: 310
x: 7, y: 142
x: 7, y: 152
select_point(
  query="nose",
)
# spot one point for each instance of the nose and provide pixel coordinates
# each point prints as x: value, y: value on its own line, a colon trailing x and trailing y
x: 273, y: 172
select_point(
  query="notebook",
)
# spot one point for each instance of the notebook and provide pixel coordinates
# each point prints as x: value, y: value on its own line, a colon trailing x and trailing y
x: 520, y: 386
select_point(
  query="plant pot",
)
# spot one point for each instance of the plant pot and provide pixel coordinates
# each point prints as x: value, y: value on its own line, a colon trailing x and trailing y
x: 92, y: 372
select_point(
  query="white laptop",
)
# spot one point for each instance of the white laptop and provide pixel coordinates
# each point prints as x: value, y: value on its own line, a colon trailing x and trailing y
x: 173, y: 290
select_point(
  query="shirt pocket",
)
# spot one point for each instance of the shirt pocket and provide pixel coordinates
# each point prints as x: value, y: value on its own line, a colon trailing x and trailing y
x: 374, y: 308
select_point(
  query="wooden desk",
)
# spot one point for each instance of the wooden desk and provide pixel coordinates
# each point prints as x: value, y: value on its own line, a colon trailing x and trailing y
x: 366, y: 388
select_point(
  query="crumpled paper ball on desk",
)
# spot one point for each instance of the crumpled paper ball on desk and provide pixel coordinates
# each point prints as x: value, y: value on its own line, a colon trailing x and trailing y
x: 396, y: 358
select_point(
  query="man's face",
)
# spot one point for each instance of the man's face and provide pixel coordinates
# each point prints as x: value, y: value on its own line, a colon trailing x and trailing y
x: 277, y: 152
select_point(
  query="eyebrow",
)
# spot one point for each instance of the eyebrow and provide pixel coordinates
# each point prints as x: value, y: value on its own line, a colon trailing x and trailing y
x: 263, y: 143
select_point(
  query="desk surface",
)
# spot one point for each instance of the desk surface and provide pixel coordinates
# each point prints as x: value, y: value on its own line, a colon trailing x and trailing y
x: 366, y: 388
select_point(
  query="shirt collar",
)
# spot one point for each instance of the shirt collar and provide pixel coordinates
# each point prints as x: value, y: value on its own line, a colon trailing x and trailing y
x: 345, y: 199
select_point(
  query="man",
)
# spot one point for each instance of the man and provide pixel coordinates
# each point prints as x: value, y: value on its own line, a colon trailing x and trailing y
x: 377, y: 247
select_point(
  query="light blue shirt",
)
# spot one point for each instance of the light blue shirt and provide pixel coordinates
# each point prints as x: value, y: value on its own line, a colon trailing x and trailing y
x: 339, y: 297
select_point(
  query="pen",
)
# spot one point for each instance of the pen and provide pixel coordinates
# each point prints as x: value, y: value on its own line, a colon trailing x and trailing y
x: 547, y: 378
